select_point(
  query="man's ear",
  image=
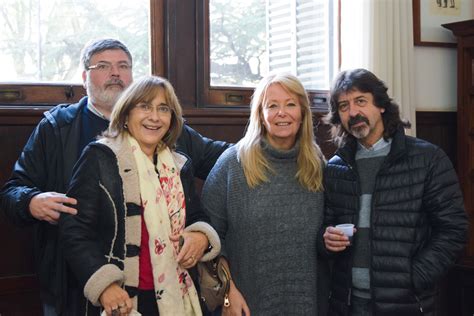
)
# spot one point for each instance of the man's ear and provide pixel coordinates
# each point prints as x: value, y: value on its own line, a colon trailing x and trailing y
x: 84, y: 78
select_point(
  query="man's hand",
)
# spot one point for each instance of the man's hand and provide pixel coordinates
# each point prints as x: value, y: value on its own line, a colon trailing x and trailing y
x: 335, y: 240
x: 47, y: 206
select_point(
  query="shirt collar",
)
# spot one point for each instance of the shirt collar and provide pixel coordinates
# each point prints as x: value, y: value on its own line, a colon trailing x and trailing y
x: 380, y: 144
x: 95, y: 111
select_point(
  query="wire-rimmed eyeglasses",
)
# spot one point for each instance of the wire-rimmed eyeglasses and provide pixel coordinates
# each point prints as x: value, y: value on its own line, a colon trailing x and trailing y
x: 107, y: 67
x: 147, y: 108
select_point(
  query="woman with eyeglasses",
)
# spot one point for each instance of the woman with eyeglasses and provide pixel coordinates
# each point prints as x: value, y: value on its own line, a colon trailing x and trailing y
x: 265, y: 199
x: 139, y: 225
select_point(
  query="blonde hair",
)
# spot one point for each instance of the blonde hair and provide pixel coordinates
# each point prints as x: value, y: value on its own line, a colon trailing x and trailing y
x: 146, y: 89
x: 310, y: 159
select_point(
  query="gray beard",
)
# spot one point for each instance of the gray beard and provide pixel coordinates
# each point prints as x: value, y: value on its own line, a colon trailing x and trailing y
x: 360, y: 132
x: 103, y: 98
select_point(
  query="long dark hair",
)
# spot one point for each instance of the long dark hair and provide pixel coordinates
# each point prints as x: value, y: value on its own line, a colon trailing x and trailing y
x: 366, y: 82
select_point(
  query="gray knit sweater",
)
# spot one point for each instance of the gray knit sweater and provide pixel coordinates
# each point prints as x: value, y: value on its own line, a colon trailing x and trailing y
x: 268, y: 233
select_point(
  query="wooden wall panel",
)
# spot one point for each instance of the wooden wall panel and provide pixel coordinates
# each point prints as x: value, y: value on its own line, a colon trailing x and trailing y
x: 14, y: 142
x: 218, y: 124
x: 19, y: 296
x: 438, y: 128
x: 18, y: 284
x: 459, y: 292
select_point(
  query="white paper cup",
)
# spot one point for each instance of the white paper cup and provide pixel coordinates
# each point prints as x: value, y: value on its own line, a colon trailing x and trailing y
x: 347, y: 229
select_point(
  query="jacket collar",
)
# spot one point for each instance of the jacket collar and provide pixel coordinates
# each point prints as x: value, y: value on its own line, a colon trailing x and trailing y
x: 63, y: 114
x: 398, y: 145
x: 398, y: 148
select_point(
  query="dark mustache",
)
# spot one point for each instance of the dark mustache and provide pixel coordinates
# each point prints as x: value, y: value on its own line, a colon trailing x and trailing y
x: 115, y: 82
x: 358, y: 119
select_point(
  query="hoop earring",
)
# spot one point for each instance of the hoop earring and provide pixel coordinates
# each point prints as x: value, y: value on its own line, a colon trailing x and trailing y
x: 125, y: 125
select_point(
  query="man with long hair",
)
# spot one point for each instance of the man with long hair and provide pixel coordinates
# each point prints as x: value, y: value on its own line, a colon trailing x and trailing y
x: 402, y: 195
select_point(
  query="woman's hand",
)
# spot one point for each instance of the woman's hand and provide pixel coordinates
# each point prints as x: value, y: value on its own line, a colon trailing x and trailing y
x: 116, y: 301
x: 238, y: 305
x: 192, y: 250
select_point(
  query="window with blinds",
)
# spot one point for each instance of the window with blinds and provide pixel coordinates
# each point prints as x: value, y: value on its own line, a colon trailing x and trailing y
x: 251, y: 38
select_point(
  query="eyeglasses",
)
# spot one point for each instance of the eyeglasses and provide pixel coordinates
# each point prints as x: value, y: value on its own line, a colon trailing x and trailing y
x: 107, y: 67
x: 147, y: 108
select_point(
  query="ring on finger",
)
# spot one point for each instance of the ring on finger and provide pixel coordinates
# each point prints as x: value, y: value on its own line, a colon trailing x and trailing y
x: 115, y: 312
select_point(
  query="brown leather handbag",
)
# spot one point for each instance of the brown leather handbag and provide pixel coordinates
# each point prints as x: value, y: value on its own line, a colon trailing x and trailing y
x: 214, y: 282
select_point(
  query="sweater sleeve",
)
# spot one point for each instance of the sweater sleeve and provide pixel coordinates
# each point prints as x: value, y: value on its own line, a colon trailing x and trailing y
x: 214, y: 195
x: 443, y: 203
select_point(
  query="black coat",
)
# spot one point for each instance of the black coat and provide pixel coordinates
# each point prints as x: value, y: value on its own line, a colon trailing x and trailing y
x: 418, y: 225
x: 46, y: 164
x: 107, y: 229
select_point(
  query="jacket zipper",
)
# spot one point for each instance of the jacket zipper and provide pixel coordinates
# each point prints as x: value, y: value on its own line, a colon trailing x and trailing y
x: 349, y: 296
x: 226, y: 291
x: 371, y: 238
x: 372, y: 221
x: 355, y: 219
x: 419, y: 304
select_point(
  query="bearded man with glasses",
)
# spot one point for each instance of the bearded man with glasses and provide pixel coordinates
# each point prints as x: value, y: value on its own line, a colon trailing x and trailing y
x: 34, y: 195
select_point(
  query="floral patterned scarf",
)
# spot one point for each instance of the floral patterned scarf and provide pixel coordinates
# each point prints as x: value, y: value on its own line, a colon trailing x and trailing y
x: 165, y: 214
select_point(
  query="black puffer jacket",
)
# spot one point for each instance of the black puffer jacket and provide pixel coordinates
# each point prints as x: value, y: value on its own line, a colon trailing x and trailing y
x: 418, y: 225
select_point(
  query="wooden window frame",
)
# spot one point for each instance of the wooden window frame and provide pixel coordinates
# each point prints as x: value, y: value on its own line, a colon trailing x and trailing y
x: 233, y: 97
x: 17, y: 95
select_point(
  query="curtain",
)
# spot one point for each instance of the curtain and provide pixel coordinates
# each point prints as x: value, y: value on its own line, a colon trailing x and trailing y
x: 378, y: 35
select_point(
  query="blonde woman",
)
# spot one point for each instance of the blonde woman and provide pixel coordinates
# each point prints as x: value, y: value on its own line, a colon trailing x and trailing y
x: 265, y: 200
x: 136, y: 201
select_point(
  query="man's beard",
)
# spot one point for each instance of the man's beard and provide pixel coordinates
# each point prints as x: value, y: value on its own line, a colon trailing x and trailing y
x: 361, y: 131
x: 107, y: 95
